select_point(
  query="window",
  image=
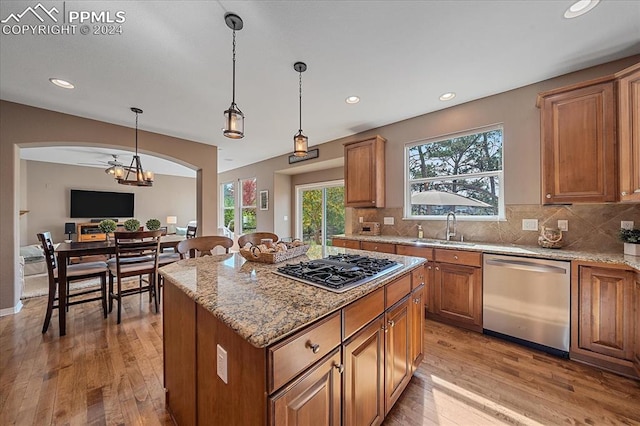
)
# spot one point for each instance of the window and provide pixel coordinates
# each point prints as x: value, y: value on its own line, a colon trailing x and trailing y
x: 228, y: 203
x: 320, y: 212
x: 248, y: 205
x: 460, y: 174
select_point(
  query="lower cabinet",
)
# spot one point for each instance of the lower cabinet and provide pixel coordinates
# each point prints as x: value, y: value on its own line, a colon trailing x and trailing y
x: 364, y: 376
x: 417, y: 326
x: 339, y: 242
x: 604, y: 328
x: 313, y: 399
x: 398, y: 362
x: 636, y: 356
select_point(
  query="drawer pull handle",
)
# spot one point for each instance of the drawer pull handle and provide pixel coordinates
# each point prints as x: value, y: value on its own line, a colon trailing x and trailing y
x: 437, y: 268
x: 339, y: 367
x: 429, y: 267
x: 416, y: 301
x: 455, y: 257
x: 314, y: 347
x: 391, y: 323
x: 548, y: 195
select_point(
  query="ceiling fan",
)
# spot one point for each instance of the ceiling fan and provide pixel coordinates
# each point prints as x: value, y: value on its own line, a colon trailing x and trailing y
x: 111, y: 163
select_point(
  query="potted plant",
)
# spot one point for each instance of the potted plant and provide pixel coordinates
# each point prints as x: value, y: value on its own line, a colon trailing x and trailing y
x: 107, y: 226
x: 131, y: 225
x: 631, y: 240
x: 153, y: 224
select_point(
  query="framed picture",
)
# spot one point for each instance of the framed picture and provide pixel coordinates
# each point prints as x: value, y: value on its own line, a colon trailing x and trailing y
x: 264, y: 200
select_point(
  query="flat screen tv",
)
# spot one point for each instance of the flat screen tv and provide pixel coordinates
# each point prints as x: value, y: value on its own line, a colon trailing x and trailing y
x: 100, y: 204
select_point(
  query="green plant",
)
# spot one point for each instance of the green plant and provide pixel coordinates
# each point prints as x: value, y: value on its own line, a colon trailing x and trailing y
x: 131, y: 225
x: 153, y: 224
x: 107, y: 226
x: 630, y: 236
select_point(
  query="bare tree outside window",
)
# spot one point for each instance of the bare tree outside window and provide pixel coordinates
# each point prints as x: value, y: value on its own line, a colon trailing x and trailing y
x: 460, y: 174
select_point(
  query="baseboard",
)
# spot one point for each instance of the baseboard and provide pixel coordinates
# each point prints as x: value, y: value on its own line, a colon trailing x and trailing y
x: 11, y: 311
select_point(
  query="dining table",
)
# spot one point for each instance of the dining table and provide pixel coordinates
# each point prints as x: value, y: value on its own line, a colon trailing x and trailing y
x: 66, y: 251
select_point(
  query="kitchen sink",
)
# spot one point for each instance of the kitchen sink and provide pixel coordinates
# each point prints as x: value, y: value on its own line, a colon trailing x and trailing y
x: 443, y: 242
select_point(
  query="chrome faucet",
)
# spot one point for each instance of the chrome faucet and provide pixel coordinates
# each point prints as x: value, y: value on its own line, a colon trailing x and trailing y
x: 449, y: 233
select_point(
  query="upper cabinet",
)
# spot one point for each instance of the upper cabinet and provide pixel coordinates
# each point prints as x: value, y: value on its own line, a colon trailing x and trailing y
x: 364, y: 173
x: 590, y: 140
x: 578, y: 143
x: 629, y: 132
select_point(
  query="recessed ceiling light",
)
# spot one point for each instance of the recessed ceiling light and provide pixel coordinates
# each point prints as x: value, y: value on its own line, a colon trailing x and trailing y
x: 62, y: 83
x: 352, y: 100
x: 447, y: 96
x: 580, y: 8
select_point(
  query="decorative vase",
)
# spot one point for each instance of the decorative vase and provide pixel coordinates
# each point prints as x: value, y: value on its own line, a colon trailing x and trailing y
x: 632, y: 249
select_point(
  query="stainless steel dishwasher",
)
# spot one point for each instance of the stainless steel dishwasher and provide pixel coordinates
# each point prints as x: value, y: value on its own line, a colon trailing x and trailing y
x: 527, y: 300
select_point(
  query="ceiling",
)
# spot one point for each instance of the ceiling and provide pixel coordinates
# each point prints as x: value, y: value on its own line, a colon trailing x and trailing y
x: 173, y: 60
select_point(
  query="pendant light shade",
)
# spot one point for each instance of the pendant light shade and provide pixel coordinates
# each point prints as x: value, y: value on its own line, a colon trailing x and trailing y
x: 134, y: 175
x: 233, y: 117
x: 300, y: 141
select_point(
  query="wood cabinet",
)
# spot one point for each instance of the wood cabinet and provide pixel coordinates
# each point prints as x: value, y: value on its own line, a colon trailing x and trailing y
x: 457, y: 295
x: 313, y: 399
x: 424, y: 275
x: 339, y: 242
x: 378, y: 247
x: 636, y: 335
x: 364, y: 173
x: 397, y: 351
x: 603, y: 316
x: 417, y: 326
x: 364, y: 379
x: 91, y: 232
x: 628, y: 82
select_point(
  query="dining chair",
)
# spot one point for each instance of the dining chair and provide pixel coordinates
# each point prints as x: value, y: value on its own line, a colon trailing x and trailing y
x: 75, y: 272
x: 202, y: 246
x: 136, y: 255
x: 191, y: 231
x: 255, y: 238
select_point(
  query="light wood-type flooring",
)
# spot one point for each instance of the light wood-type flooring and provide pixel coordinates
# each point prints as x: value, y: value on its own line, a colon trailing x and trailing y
x: 103, y: 373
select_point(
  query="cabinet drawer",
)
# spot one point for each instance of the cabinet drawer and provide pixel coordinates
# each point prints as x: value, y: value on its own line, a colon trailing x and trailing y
x: 361, y: 312
x: 459, y: 257
x: 346, y: 243
x: 425, y: 252
x: 397, y: 289
x: 379, y: 247
x: 291, y: 357
x: 93, y: 237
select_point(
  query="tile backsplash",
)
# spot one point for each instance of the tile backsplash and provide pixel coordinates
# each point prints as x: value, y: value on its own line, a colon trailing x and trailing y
x: 592, y: 227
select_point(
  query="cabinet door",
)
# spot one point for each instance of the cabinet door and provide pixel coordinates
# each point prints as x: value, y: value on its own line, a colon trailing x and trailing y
x: 397, y: 352
x: 458, y: 294
x: 417, y: 327
x: 636, y: 337
x: 364, y: 173
x: 364, y: 376
x: 606, y: 311
x: 429, y: 288
x: 629, y: 134
x: 314, y: 399
x: 578, y: 145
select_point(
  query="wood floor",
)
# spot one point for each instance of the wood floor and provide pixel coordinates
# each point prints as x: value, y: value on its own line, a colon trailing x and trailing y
x: 102, y: 373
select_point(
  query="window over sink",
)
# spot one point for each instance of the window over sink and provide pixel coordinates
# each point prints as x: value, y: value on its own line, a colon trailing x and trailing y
x: 460, y: 173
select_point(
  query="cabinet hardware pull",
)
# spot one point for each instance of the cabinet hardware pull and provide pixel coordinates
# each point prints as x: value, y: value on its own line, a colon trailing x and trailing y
x: 384, y: 328
x: 416, y: 301
x: 437, y: 268
x: 339, y: 367
x: 548, y: 195
x: 314, y: 347
x: 429, y: 267
x: 391, y: 323
x: 624, y: 193
x: 455, y: 257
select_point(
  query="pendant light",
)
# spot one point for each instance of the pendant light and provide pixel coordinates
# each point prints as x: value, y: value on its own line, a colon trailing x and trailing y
x: 233, y: 117
x: 134, y: 175
x: 300, y: 141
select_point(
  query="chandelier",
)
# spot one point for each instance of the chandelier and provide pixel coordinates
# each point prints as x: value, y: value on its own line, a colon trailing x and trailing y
x: 134, y: 174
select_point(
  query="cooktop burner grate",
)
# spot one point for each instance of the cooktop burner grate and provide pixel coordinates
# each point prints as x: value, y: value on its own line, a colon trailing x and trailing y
x: 338, y: 273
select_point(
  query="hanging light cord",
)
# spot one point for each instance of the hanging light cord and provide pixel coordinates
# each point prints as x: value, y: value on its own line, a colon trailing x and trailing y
x: 136, y: 134
x: 233, y: 93
x: 300, y: 130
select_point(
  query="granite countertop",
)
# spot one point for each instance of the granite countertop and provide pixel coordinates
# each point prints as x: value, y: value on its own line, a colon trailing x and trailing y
x: 263, y: 307
x: 526, y: 251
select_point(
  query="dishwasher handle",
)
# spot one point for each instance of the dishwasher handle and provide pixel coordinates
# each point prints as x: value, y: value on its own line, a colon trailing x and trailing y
x: 526, y: 266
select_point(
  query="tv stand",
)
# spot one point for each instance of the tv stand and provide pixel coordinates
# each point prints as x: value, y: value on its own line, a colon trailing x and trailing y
x: 89, y: 231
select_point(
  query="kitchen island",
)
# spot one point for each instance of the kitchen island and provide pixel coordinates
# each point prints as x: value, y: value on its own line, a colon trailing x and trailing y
x: 243, y: 345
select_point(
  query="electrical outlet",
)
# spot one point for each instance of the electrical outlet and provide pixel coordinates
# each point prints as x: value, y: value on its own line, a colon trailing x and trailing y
x: 389, y: 220
x: 529, y: 224
x: 221, y: 364
x: 563, y: 225
x: 360, y: 219
x: 626, y: 224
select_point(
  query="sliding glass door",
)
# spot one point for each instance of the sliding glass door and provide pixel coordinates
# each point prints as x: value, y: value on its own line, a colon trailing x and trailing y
x: 320, y: 212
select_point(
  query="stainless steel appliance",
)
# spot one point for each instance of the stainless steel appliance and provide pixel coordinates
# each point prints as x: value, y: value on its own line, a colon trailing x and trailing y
x: 527, y: 300
x: 338, y: 273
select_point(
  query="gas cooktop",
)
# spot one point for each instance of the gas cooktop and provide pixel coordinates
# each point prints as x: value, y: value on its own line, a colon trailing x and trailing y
x: 338, y: 273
